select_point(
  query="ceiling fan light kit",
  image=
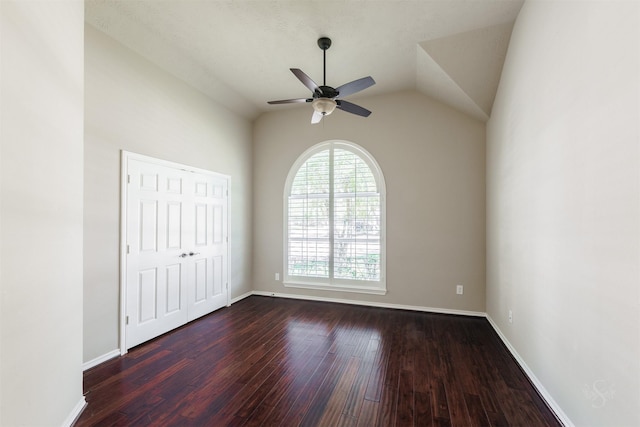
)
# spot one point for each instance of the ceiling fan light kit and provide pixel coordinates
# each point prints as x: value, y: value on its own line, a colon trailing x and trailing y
x: 324, y: 106
x: 325, y: 99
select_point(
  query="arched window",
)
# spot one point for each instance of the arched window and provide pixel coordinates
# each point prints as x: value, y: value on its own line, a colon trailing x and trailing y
x: 335, y: 220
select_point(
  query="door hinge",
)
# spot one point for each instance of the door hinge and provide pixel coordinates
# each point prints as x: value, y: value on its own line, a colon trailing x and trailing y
x: 128, y: 249
x: 128, y: 179
x: 126, y: 320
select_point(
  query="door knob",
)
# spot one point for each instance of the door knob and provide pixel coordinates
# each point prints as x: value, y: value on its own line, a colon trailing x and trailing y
x: 183, y: 255
x: 194, y: 253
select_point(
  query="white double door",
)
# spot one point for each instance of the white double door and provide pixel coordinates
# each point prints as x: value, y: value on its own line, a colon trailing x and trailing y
x: 176, y: 247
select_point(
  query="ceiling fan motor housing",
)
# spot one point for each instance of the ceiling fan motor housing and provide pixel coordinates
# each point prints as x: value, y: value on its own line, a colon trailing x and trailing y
x: 327, y: 92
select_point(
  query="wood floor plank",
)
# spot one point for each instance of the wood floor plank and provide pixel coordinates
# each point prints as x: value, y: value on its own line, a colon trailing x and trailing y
x: 406, y: 403
x: 376, y: 377
x: 477, y: 414
x: 368, y: 415
x: 335, y: 407
x: 424, y: 409
x: 441, y: 414
x: 388, y: 405
x: 281, y: 362
x: 321, y: 399
x: 294, y: 365
x: 356, y: 396
x: 307, y: 393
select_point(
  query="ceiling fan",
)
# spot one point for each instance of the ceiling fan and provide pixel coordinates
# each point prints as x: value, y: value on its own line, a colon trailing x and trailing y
x: 326, y: 99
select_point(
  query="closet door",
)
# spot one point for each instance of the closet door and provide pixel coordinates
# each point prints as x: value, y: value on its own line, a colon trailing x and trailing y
x: 156, y: 288
x: 207, y: 267
x: 175, y: 265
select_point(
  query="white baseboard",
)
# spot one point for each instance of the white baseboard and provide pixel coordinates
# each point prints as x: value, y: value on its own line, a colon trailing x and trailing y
x: 75, y: 413
x: 98, y: 360
x: 564, y: 419
x: 372, y: 304
x: 241, y: 297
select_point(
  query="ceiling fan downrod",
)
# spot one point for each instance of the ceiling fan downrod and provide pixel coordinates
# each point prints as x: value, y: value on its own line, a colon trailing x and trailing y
x: 324, y: 43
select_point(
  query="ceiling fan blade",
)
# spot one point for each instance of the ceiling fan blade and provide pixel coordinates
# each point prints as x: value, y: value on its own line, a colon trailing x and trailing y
x: 316, y: 117
x: 355, y: 86
x: 352, y: 108
x: 290, y: 101
x: 306, y: 80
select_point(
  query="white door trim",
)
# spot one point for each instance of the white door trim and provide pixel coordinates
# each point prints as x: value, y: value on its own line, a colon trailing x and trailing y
x: 124, y: 168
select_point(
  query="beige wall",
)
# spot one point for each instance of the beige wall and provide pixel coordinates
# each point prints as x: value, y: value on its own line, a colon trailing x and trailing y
x: 563, y: 222
x: 563, y: 199
x: 133, y: 105
x: 432, y: 159
x: 41, y: 148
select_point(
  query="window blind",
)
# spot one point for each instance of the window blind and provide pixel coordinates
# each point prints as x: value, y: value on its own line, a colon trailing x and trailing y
x: 308, y: 217
x: 334, y: 218
x: 356, y: 218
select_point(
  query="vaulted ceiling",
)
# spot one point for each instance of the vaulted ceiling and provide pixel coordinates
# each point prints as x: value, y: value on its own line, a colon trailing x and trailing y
x: 239, y: 52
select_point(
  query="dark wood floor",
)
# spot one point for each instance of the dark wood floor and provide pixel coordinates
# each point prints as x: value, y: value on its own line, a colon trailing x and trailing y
x: 271, y: 362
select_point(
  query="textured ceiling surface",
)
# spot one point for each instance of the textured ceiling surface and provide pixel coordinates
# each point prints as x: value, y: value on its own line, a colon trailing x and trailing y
x: 239, y: 52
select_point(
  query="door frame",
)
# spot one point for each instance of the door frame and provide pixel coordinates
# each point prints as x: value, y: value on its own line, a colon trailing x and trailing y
x: 125, y: 156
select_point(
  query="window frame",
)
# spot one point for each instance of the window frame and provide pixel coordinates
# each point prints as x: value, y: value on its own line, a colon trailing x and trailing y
x: 331, y: 283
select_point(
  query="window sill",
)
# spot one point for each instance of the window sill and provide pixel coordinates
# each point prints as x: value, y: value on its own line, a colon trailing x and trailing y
x: 341, y: 288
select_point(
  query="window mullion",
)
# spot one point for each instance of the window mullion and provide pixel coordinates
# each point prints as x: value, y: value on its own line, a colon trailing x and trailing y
x: 331, y: 213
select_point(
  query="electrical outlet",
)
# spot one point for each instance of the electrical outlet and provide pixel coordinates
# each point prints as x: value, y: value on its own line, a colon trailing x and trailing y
x: 277, y: 276
x: 510, y: 316
x: 459, y: 289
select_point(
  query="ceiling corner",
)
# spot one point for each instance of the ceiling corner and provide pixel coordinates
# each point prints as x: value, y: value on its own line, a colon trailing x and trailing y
x: 464, y: 69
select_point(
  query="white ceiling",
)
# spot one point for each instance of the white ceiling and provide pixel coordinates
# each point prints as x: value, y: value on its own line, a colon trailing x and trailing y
x: 239, y: 52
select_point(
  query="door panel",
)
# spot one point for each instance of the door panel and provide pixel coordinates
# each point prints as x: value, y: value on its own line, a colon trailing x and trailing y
x: 148, y: 181
x: 218, y: 270
x: 174, y: 185
x: 176, y: 238
x: 218, y: 224
x: 147, y: 289
x: 201, y: 188
x: 174, y: 225
x: 174, y: 288
x: 201, y: 225
x: 200, y: 280
x: 148, y: 225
